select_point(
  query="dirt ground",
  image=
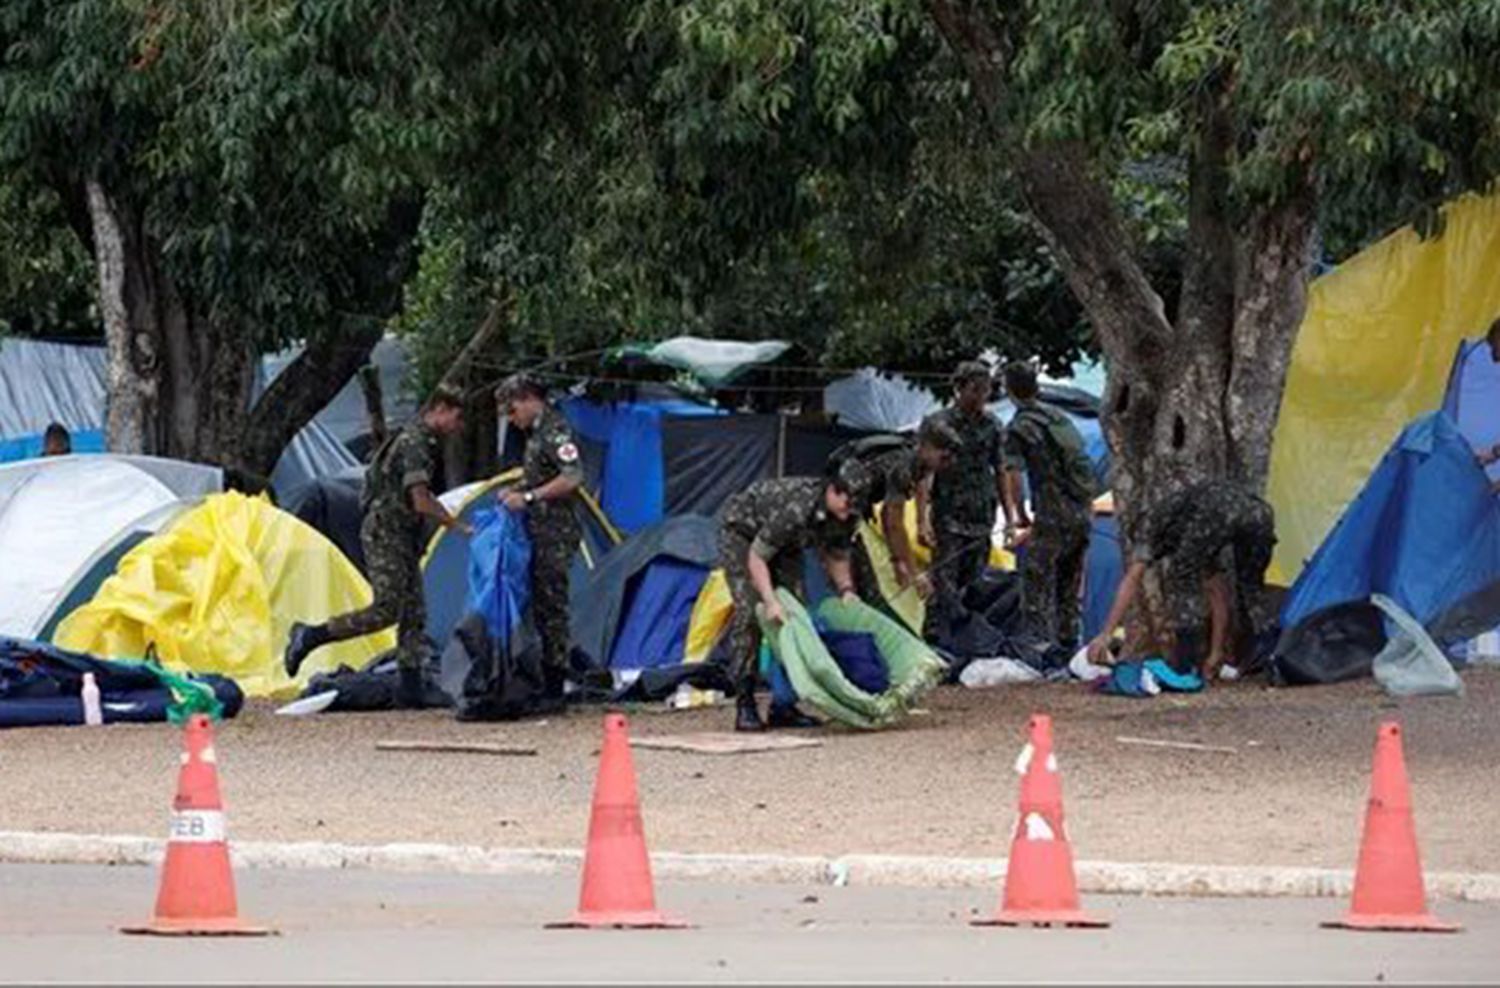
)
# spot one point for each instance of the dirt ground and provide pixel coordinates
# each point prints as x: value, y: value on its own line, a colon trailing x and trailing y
x: 1291, y: 793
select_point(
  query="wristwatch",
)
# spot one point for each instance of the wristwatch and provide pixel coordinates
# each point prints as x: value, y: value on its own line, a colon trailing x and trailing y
x: 529, y: 497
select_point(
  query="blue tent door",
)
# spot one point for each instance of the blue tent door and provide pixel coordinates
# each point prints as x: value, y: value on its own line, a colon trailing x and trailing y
x: 658, y: 608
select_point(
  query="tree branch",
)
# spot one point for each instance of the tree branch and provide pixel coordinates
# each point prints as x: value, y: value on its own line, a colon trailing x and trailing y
x: 980, y: 44
x: 497, y: 317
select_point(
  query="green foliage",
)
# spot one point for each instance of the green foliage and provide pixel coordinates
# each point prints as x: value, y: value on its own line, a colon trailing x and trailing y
x: 46, y: 278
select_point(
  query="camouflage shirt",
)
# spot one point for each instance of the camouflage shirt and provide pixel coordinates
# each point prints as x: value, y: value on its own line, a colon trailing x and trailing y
x: 403, y: 462
x: 894, y: 476
x: 964, y: 496
x: 788, y: 515
x: 551, y: 452
x: 1043, y: 442
x: 1206, y: 514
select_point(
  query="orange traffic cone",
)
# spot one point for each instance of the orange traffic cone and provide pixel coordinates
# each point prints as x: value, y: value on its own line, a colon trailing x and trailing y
x: 617, y: 890
x: 197, y: 886
x: 1388, y: 890
x: 1040, y: 888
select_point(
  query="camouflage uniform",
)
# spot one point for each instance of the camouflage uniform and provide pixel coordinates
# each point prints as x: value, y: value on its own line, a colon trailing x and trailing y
x: 777, y: 520
x: 551, y: 452
x: 1190, y: 530
x: 964, y: 500
x: 391, y: 536
x: 1041, y: 441
x: 892, y: 476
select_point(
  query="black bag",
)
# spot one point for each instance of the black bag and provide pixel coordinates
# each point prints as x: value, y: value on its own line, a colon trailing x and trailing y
x: 488, y: 683
x: 1330, y: 646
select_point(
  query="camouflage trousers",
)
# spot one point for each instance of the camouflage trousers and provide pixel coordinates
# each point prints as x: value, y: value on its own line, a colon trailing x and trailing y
x: 1051, y: 567
x: 744, y: 629
x: 553, y: 547
x: 957, y: 561
x: 392, y: 549
x: 1250, y: 537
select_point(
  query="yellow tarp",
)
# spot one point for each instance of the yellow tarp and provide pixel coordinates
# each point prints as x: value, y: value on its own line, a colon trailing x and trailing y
x: 1374, y: 351
x: 218, y: 591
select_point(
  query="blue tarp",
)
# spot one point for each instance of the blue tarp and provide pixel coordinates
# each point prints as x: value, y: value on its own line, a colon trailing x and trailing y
x: 1425, y: 531
x: 1473, y: 397
x: 29, y: 447
x: 633, y: 482
x: 499, y: 572
x: 658, y: 610
x: 1103, y: 568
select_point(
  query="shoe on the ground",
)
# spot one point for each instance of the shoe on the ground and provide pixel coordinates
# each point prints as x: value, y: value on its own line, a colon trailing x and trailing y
x: 747, y: 715
x: 410, y: 689
x: 301, y: 643
x: 790, y: 716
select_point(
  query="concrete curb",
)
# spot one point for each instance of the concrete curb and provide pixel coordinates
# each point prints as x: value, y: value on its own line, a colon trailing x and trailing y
x: 1097, y: 877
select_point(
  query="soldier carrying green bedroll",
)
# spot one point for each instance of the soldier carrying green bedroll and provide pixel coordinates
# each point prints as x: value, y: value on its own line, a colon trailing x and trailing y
x: 552, y: 472
x: 397, y: 495
x: 763, y: 532
x: 1041, y: 442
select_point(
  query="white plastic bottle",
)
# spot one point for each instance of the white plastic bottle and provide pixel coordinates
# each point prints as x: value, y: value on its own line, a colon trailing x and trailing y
x: 93, y: 712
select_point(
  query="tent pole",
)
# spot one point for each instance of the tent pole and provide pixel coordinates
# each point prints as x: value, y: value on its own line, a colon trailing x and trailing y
x: 780, y: 445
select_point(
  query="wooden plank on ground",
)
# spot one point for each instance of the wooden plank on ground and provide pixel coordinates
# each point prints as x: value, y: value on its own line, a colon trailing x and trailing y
x: 724, y: 743
x: 1179, y: 745
x: 456, y: 747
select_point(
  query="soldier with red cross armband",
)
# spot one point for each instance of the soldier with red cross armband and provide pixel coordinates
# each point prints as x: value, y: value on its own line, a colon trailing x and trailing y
x: 551, y: 472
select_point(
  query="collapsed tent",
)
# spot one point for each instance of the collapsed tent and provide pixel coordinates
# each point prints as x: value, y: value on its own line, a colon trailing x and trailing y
x: 41, y: 383
x: 58, y: 513
x: 1374, y: 351
x: 217, y: 592
x: 1425, y: 532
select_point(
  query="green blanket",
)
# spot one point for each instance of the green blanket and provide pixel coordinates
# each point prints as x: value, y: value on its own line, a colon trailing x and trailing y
x: 816, y: 676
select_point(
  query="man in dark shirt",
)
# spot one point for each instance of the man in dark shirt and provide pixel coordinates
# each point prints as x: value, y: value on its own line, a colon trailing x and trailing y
x: 57, y: 441
x: 1042, y: 442
x: 1188, y: 532
x: 965, y: 494
x: 763, y: 532
x: 552, y: 471
x: 397, y: 496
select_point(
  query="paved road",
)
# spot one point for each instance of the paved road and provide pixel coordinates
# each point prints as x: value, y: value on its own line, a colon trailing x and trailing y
x: 56, y: 924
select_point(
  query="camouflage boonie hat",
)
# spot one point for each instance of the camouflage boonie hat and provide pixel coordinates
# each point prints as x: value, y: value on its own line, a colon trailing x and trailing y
x: 935, y: 432
x: 854, y: 478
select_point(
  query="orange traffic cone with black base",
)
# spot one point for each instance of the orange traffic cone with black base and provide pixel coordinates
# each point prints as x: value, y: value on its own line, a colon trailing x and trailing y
x: 1040, y: 887
x: 197, y: 885
x: 1389, y: 893
x: 617, y: 890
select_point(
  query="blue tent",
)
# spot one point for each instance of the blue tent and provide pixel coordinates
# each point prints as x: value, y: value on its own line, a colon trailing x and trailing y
x: 1473, y: 397
x: 1102, y: 570
x: 1425, y: 531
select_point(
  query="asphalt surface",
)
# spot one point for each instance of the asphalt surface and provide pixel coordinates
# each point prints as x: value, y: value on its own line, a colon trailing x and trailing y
x: 57, y: 924
x: 1292, y: 792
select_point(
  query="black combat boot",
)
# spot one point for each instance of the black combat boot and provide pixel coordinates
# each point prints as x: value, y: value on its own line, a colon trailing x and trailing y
x: 789, y: 716
x: 746, y: 713
x: 302, y: 642
x: 410, y: 688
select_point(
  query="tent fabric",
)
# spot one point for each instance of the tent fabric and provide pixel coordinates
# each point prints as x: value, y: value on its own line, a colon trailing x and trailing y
x: 707, y: 461
x: 1425, y: 531
x: 715, y: 363
x: 331, y: 505
x: 55, y: 513
x: 29, y: 447
x: 499, y: 572
x: 709, y: 618
x: 218, y: 591
x: 1472, y: 398
x: 600, y: 599
x: 345, y: 417
x: 659, y: 606
x: 1374, y: 351
x: 63, y: 382
x: 1103, y: 568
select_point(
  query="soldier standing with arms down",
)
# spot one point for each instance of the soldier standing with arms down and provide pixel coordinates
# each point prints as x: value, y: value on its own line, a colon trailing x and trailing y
x: 397, y: 496
x: 551, y: 472
x: 762, y: 535
x: 965, y: 495
x: 1041, y: 441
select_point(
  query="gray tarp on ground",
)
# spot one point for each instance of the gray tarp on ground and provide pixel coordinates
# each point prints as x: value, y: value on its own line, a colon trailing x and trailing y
x: 598, y: 599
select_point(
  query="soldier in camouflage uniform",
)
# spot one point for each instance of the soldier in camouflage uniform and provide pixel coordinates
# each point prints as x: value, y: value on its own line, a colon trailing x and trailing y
x: 763, y: 532
x: 1190, y: 532
x: 965, y: 495
x: 397, y: 495
x: 890, y: 479
x: 1042, y: 442
x: 551, y: 472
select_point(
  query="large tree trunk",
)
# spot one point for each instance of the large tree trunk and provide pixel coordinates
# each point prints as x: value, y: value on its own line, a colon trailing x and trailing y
x: 131, y: 336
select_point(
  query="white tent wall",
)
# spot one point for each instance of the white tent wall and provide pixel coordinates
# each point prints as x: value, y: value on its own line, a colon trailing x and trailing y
x: 55, y: 515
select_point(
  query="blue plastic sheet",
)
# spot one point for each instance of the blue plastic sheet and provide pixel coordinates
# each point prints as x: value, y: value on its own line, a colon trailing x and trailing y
x: 499, y: 571
x: 658, y: 610
x: 30, y: 447
x: 1425, y: 531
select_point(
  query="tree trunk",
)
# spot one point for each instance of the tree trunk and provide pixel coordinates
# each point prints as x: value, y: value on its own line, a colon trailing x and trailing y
x: 129, y: 326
